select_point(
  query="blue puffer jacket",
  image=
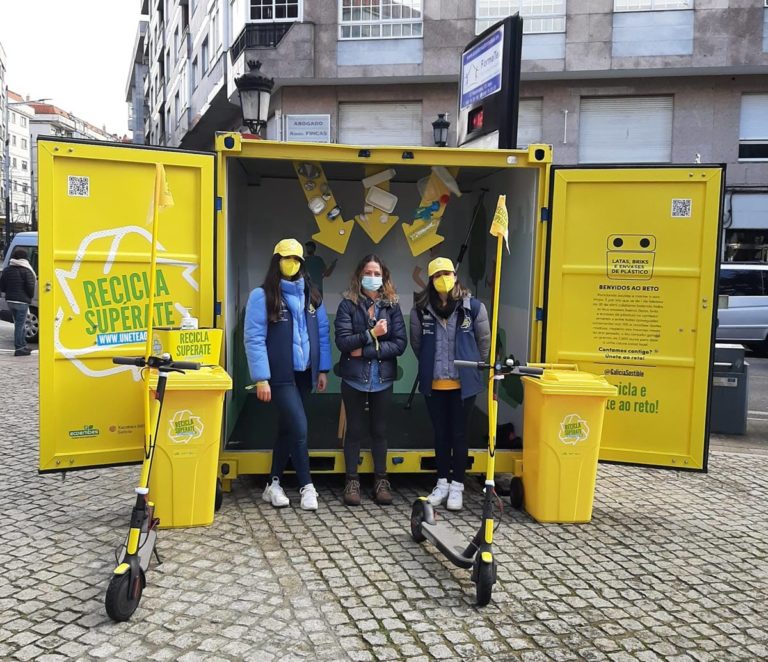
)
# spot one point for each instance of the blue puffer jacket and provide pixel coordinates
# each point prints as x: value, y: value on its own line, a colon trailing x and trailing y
x: 304, y: 316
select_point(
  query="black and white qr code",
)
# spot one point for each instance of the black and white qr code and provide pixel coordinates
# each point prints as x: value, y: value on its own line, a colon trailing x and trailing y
x: 78, y: 187
x: 681, y: 208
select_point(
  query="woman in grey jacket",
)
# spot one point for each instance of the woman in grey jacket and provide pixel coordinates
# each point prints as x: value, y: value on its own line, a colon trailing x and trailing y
x: 18, y: 283
x: 447, y: 323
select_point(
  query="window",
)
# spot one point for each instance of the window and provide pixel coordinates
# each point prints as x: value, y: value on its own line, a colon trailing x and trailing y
x: 14, y: 161
x: 529, y: 122
x: 380, y: 19
x: 276, y: 10
x: 539, y: 16
x: 13, y: 141
x: 25, y: 187
x: 215, y: 30
x: 204, y: 55
x: 741, y: 282
x: 177, y: 105
x: 625, y: 129
x: 23, y: 121
x: 24, y: 165
x: 13, y: 117
x: 195, y: 74
x: 651, y: 5
x: 753, y: 127
x: 23, y: 143
x: 15, y: 207
x: 176, y: 42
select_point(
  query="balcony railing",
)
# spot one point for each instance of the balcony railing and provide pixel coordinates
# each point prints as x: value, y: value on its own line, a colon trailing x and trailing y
x: 258, y: 35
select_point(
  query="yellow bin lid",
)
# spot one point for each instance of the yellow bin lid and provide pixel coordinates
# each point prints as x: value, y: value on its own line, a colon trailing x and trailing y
x: 213, y: 378
x: 571, y: 382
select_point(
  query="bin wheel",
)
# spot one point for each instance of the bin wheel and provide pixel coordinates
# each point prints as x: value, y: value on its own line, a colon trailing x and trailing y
x: 486, y: 578
x: 119, y: 605
x: 219, y: 498
x: 516, y: 493
x: 417, y: 517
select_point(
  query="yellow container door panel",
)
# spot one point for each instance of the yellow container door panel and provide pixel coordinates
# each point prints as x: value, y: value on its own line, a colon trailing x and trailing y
x: 95, y: 240
x: 631, y: 280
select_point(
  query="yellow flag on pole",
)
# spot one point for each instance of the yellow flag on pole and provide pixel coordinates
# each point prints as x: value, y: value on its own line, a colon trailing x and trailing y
x: 500, y: 224
x: 164, y: 196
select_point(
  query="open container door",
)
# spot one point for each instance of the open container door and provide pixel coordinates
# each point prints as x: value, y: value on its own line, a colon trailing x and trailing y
x: 95, y: 238
x: 629, y: 286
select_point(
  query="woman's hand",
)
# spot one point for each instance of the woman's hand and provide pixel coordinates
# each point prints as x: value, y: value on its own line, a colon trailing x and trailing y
x: 356, y: 352
x: 264, y: 392
x: 380, y: 329
x: 322, y: 382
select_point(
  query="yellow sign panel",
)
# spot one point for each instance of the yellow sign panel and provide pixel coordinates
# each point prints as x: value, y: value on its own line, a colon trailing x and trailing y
x: 95, y: 240
x: 631, y: 296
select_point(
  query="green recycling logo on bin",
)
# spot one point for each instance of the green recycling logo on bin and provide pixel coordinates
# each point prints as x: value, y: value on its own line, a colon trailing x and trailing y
x: 184, y: 427
x: 573, y: 429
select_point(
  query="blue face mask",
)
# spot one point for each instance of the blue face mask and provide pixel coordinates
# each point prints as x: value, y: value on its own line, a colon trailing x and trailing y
x: 371, y: 283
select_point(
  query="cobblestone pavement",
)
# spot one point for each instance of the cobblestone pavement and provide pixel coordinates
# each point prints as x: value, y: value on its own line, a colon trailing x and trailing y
x: 673, y: 567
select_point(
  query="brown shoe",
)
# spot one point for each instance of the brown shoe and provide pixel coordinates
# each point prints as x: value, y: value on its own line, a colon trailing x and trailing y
x: 382, y: 491
x: 352, y: 492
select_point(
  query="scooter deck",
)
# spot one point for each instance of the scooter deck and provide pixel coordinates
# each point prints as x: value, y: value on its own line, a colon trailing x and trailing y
x: 442, y: 536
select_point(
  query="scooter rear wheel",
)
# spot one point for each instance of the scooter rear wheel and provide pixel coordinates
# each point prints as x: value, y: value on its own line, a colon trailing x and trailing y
x: 486, y: 578
x: 219, y: 498
x: 119, y: 605
x: 417, y: 517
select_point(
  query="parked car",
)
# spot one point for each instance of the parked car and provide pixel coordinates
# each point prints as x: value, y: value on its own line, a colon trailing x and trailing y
x: 743, y: 309
x: 27, y: 241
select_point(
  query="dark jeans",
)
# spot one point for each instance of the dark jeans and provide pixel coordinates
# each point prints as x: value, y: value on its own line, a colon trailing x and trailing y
x: 361, y: 424
x: 19, y: 313
x: 450, y: 415
x: 292, y: 427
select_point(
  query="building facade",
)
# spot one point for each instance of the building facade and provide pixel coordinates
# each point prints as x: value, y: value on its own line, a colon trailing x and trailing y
x: 20, y: 117
x: 605, y: 81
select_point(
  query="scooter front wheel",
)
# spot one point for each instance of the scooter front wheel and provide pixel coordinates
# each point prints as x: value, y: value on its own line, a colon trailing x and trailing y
x: 120, y: 606
x: 486, y: 578
x: 417, y: 517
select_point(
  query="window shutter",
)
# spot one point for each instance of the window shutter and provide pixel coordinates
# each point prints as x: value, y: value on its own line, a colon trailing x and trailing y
x: 380, y: 123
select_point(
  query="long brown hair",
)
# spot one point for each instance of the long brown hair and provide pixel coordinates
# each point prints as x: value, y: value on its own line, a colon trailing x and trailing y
x: 387, y: 291
x: 272, y: 291
x: 458, y: 293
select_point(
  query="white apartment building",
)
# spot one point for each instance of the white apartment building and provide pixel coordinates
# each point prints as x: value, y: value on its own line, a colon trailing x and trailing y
x: 20, y: 151
x: 604, y: 81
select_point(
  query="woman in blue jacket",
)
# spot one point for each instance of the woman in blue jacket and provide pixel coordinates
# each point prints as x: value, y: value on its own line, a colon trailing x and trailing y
x: 287, y: 342
x: 448, y: 324
x: 370, y: 333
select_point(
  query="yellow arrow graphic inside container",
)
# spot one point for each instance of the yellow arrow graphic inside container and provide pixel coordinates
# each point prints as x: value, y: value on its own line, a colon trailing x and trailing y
x: 376, y: 223
x: 421, y: 235
x: 334, y: 231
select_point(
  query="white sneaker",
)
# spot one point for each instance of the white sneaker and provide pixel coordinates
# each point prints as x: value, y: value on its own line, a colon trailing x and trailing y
x: 455, y: 496
x: 308, y: 497
x: 440, y: 493
x: 274, y: 494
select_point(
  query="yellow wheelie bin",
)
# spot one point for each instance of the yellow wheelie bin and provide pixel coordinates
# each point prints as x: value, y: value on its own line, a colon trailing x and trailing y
x: 182, y: 481
x: 563, y: 414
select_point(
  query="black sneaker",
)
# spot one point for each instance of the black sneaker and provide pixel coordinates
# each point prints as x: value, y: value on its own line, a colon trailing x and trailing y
x: 22, y: 352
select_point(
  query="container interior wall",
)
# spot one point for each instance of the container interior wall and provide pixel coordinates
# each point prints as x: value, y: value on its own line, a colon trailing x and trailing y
x: 265, y: 203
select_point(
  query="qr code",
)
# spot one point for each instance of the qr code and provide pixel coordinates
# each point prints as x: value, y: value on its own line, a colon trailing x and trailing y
x: 78, y: 187
x: 681, y: 208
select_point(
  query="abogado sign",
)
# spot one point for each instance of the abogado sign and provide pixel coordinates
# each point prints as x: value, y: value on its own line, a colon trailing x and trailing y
x: 308, y: 128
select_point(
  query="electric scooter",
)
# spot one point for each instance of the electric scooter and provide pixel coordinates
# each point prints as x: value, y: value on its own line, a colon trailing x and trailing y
x: 478, y: 555
x: 133, y: 557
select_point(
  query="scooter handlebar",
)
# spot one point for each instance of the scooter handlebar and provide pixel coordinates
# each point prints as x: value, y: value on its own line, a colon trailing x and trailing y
x: 185, y: 365
x: 525, y: 370
x: 509, y: 367
x: 137, y: 361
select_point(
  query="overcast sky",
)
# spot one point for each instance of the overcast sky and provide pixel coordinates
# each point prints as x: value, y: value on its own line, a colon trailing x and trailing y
x: 75, y: 52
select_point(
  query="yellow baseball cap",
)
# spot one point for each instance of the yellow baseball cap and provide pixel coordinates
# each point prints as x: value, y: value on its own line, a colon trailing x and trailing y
x: 439, y: 264
x: 289, y: 248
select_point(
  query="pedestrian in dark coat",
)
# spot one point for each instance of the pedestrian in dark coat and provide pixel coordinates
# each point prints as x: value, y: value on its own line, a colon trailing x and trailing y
x: 18, y: 283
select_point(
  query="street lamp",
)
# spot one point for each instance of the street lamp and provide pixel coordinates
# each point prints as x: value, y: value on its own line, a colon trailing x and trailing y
x: 440, y: 130
x: 7, y: 162
x: 255, y: 91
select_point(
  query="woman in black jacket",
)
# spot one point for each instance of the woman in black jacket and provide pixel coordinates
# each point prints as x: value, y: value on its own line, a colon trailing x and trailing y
x: 370, y: 333
x: 18, y: 282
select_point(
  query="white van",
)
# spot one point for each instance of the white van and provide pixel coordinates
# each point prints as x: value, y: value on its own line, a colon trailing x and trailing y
x: 742, y: 314
x: 27, y: 241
